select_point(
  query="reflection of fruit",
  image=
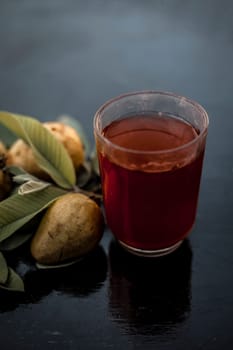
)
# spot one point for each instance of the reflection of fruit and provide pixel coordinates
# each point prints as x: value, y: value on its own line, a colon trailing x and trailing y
x: 70, y: 228
x: 20, y: 153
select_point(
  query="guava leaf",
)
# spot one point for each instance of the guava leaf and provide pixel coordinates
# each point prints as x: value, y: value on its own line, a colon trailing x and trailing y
x: 7, y: 137
x: 15, y: 241
x: 22, y: 235
x: 16, y: 170
x: 50, y: 154
x: 3, y: 269
x: 19, y: 175
x: 32, y: 186
x: 14, y: 282
x: 17, y: 210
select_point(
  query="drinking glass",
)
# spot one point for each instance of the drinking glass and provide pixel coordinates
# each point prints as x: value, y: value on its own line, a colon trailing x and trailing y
x: 150, y: 148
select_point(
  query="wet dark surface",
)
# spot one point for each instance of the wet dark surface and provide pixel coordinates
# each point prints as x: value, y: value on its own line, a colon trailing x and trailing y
x: 70, y: 57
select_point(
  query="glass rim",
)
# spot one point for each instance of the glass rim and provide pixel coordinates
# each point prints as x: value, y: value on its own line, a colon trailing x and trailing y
x: 104, y: 139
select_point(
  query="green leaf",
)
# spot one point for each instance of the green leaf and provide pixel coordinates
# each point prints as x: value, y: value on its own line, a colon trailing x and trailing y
x: 50, y: 154
x: 14, y: 282
x: 32, y: 186
x: 17, y: 210
x: 3, y: 269
x: 16, y: 170
x: 74, y: 123
x: 7, y: 137
x: 22, y: 235
x: 21, y: 179
x: 19, y: 175
x: 15, y: 241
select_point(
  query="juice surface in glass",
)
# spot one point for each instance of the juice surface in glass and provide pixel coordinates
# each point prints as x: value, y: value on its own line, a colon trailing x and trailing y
x: 150, y: 206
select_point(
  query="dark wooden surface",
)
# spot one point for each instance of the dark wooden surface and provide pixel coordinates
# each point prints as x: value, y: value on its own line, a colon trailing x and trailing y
x: 69, y: 56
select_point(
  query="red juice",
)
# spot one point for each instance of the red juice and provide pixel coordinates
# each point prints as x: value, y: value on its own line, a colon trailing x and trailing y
x: 151, y: 192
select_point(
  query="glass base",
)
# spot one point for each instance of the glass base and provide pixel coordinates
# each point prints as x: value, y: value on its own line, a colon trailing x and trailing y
x: 151, y: 253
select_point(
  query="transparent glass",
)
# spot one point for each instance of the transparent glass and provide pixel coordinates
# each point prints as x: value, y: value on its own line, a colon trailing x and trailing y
x: 150, y: 195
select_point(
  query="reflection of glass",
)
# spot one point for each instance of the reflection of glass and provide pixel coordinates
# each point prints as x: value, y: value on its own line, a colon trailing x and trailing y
x: 79, y: 280
x: 150, y: 296
x: 150, y: 147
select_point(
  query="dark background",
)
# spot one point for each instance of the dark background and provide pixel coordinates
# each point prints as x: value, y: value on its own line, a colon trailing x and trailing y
x: 69, y: 56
